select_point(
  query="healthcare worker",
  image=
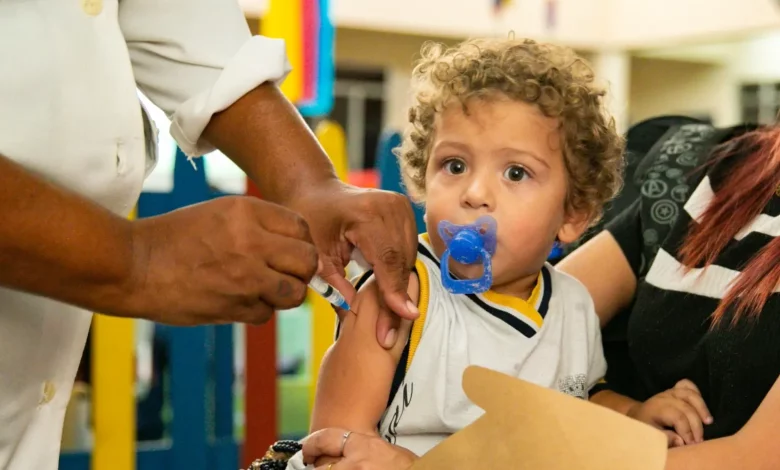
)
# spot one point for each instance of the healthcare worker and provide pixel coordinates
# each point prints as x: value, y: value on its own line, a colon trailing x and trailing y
x: 75, y: 146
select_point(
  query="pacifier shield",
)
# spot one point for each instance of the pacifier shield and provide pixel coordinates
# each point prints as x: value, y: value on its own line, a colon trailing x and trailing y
x: 484, y: 227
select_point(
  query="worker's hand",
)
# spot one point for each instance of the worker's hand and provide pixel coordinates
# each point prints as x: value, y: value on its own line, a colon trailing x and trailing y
x: 264, y: 134
x: 380, y: 224
x: 233, y: 259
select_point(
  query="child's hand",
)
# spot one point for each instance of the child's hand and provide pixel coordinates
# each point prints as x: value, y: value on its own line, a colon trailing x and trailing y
x: 680, y: 408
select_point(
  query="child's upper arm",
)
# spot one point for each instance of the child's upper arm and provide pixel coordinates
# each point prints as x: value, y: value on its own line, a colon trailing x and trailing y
x: 357, y: 372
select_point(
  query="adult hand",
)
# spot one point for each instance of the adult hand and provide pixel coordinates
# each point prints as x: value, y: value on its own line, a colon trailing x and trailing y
x: 230, y: 259
x: 360, y: 452
x: 380, y: 224
x: 265, y: 135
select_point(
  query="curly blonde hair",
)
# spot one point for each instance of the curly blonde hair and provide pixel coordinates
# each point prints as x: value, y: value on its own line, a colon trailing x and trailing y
x: 554, y: 78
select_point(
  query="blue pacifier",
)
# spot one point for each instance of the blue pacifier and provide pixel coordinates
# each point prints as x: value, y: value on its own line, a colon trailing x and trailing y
x: 468, y: 244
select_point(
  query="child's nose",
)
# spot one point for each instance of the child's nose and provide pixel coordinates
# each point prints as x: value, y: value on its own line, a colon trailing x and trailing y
x: 478, y: 195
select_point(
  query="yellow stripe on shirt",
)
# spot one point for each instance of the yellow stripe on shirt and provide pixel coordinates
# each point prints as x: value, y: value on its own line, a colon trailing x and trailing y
x: 422, y: 306
x: 523, y: 307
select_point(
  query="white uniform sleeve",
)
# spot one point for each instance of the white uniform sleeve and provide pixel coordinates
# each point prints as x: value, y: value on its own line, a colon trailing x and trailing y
x: 194, y: 58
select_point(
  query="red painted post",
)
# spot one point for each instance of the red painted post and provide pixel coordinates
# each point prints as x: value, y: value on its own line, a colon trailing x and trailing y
x: 260, y: 404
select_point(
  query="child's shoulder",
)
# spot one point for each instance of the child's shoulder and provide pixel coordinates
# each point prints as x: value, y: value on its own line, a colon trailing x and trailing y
x: 566, y: 283
x: 570, y: 293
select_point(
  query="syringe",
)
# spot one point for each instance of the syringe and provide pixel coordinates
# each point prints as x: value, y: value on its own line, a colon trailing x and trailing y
x: 329, y: 293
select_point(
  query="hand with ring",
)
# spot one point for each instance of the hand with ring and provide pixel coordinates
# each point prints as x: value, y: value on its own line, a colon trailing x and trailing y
x: 357, y: 451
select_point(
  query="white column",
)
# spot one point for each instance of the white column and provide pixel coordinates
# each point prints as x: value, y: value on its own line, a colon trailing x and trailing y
x: 356, y: 125
x: 614, y: 68
x: 397, y: 97
x: 728, y: 108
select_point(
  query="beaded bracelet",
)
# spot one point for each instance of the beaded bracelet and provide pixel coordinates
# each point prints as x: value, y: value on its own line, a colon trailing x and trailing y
x: 276, y: 456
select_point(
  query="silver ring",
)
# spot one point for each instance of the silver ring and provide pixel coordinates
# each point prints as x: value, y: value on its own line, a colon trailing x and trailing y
x: 344, y: 441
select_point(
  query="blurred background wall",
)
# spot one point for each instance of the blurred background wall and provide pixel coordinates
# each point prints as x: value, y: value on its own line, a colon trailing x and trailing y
x: 714, y: 59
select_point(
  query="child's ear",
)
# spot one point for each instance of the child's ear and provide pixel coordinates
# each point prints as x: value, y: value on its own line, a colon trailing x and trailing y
x: 573, y: 227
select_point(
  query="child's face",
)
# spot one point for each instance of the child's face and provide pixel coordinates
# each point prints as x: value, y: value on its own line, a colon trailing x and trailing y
x: 504, y: 159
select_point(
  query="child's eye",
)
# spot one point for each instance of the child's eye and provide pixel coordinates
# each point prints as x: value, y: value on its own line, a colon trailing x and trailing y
x: 455, y: 166
x: 515, y: 173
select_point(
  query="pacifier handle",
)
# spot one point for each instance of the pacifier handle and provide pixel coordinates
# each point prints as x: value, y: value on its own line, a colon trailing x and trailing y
x: 469, y: 244
x: 467, y: 286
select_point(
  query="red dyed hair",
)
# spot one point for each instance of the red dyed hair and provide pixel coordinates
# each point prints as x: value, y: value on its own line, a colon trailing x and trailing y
x: 746, y: 190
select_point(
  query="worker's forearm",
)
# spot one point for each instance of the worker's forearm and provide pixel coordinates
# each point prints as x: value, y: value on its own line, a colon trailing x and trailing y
x: 266, y: 136
x: 59, y: 245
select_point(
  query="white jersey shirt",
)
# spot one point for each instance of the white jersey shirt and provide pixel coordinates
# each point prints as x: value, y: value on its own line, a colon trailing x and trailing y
x: 553, y: 340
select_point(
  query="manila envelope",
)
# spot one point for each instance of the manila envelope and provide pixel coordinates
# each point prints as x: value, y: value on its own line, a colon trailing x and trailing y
x: 528, y: 427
